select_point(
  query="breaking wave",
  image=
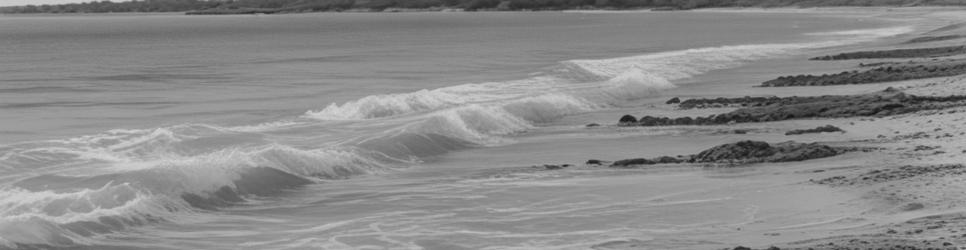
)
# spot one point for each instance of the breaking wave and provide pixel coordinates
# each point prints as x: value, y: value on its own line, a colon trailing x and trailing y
x: 597, y: 83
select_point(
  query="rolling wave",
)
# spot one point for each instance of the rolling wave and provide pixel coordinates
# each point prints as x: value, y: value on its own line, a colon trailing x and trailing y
x: 597, y: 82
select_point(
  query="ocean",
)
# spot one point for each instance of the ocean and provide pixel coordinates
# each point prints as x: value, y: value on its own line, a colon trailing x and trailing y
x: 371, y: 130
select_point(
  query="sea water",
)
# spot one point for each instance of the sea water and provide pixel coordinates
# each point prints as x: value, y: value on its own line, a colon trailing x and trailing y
x: 366, y: 130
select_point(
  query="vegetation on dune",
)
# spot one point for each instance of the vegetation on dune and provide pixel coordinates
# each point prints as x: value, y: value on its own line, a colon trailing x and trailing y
x: 273, y: 6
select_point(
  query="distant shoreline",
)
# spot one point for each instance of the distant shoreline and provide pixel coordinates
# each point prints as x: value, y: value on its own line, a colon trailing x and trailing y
x: 251, y: 11
x: 258, y: 11
x: 211, y: 7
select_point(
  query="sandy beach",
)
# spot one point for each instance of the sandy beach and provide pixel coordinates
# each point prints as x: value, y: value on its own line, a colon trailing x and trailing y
x: 812, y: 128
x: 905, y: 190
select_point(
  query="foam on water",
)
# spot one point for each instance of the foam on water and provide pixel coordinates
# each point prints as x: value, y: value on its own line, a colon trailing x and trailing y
x: 57, y: 209
x: 61, y: 218
x: 864, y: 35
x: 617, y: 79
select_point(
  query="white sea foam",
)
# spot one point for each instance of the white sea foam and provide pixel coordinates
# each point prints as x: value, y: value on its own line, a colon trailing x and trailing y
x: 378, y: 106
x: 49, y: 214
x: 863, y: 35
x: 676, y: 65
x: 63, y: 218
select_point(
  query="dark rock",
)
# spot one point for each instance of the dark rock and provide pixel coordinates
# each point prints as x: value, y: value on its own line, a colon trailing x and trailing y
x: 822, y: 129
x: 627, y: 120
x: 683, y: 121
x: 555, y: 167
x: 652, y: 121
x: 594, y: 162
x: 593, y: 125
x: 636, y: 161
x: 645, y: 161
x: 735, y: 151
x: 741, y: 248
x: 791, y: 151
x: 875, y: 75
x: 765, y: 109
x: 897, y: 53
x: 673, y: 101
x: 667, y: 159
x: 934, y: 38
x: 744, y: 152
x: 759, y: 151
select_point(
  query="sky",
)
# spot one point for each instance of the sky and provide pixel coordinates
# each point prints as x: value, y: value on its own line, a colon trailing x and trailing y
x: 39, y: 2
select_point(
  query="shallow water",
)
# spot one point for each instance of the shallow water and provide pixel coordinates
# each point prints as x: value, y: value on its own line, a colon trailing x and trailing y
x: 404, y: 130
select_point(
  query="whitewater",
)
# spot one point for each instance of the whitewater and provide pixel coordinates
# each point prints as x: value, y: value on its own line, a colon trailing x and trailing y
x: 139, y: 187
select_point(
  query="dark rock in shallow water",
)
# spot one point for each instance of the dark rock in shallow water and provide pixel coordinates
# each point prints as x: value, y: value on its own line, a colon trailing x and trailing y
x: 683, y: 121
x: 744, y: 152
x: 594, y: 162
x: 636, y: 161
x: 668, y: 159
x: 875, y: 75
x: 555, y: 167
x: 644, y: 161
x: 822, y: 129
x: 664, y: 121
x: 673, y: 101
x: 627, y: 120
x: 897, y: 53
x: 924, y: 39
x: 765, y: 109
x: 593, y: 125
x: 728, y: 102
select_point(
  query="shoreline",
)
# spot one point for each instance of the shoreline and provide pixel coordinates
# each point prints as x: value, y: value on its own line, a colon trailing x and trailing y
x: 911, y: 173
x: 780, y: 9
